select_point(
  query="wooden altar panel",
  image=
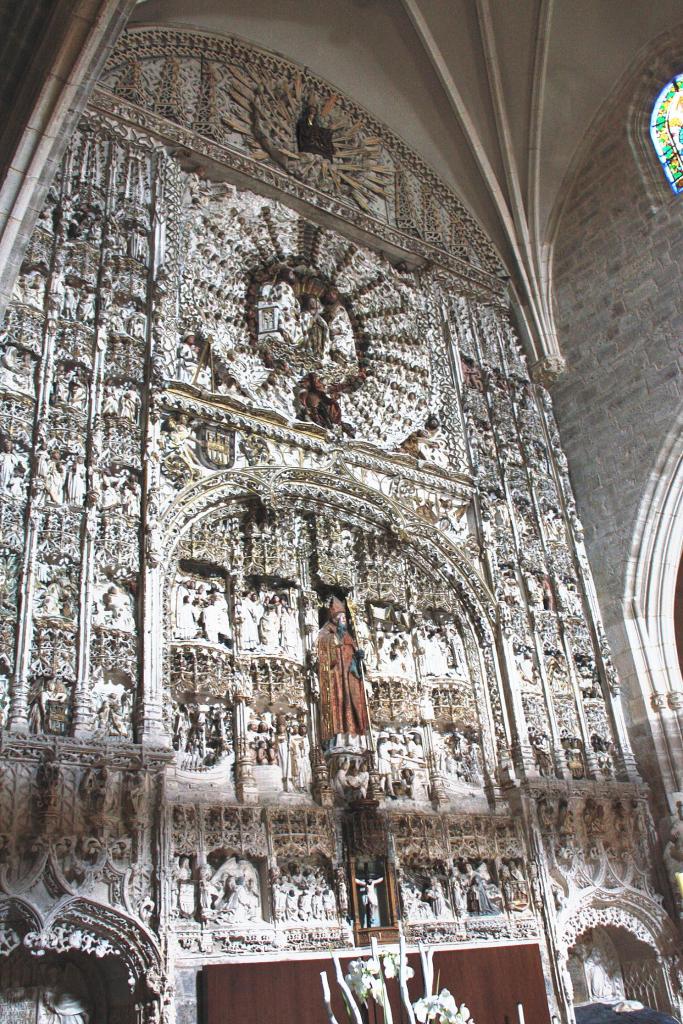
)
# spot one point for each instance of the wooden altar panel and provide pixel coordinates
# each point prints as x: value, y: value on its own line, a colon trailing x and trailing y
x: 491, y: 981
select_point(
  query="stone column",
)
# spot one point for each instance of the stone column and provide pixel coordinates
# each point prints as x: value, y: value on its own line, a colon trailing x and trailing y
x: 18, y: 709
x: 245, y: 783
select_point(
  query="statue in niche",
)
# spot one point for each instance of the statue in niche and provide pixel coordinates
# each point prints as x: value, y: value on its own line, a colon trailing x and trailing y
x: 261, y: 736
x: 17, y: 370
x: 401, y: 764
x: 343, y: 703
x: 201, y: 612
x: 435, y: 651
x: 457, y: 755
x: 248, y: 614
x: 47, y: 702
x: 540, y: 748
x: 351, y: 779
x: 314, y: 326
x: 30, y: 288
x: 52, y: 473
x: 371, y: 888
x: 113, y: 714
x: 235, y: 892
x: 75, y: 487
x: 603, y: 987
x: 302, y: 896
x: 115, y: 609
x: 268, y: 623
x: 574, y: 753
x: 216, y: 620
x: 300, y: 758
x: 603, y: 753
x: 63, y: 997
x: 11, y: 467
x: 313, y: 135
x: 483, y: 895
x: 194, y: 361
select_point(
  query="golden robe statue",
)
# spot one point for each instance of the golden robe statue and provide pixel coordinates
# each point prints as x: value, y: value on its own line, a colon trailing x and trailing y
x: 343, y: 707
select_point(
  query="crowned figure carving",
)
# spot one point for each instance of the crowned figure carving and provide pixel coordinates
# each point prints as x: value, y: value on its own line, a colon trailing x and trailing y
x: 344, y: 711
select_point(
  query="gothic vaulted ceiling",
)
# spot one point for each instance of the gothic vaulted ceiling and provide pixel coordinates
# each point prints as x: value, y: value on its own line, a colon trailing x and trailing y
x: 496, y: 95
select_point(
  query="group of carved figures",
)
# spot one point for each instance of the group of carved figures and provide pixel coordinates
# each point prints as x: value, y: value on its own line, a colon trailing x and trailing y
x: 230, y: 891
x: 282, y: 740
x: 202, y: 734
x: 267, y: 622
x: 469, y: 890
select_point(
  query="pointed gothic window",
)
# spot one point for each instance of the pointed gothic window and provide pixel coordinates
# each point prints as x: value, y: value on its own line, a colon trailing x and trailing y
x: 666, y: 130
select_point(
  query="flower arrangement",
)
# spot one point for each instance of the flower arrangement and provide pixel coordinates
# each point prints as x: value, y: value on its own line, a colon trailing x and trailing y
x: 366, y: 979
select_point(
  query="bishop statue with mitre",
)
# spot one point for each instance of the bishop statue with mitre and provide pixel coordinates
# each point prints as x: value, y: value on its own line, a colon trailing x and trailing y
x: 343, y: 706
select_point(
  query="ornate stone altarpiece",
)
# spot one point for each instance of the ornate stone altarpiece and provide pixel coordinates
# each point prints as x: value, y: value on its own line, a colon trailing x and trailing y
x: 263, y: 408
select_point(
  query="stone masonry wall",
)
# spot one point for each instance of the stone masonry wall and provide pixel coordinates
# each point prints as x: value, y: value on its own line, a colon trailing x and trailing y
x: 619, y: 296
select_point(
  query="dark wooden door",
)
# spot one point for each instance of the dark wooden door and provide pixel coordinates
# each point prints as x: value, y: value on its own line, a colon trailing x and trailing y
x: 491, y: 981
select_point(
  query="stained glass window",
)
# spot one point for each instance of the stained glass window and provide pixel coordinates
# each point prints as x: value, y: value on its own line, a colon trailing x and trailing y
x: 666, y: 129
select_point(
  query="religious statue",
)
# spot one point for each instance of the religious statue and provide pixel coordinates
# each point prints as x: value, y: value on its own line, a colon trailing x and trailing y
x: 342, y: 691
x: 64, y: 998
x: 312, y: 136
x: 369, y: 901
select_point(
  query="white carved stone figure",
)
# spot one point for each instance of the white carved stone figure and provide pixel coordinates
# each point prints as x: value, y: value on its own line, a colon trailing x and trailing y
x: 269, y: 625
x: 342, y: 341
x: 314, y: 327
x: 116, y: 609
x: 86, y: 307
x: 10, y: 463
x: 16, y: 370
x: 289, y: 639
x: 603, y: 985
x: 300, y: 758
x: 53, y: 600
x: 129, y: 405
x: 70, y: 303
x: 436, y: 897
x: 281, y: 741
x: 435, y: 653
x: 75, y: 487
x: 64, y: 997
x: 236, y: 892
x: 249, y: 612
x: 54, y: 478
x: 186, y: 615
x: 110, y: 494
x: 216, y: 619
x: 130, y: 499
x: 111, y: 402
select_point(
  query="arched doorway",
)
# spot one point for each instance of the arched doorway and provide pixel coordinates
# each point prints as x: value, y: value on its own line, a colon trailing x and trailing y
x: 608, y: 964
x: 70, y: 988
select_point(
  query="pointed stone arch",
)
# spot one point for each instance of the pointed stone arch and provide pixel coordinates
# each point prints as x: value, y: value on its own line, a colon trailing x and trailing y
x: 91, y: 928
x: 656, y: 551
